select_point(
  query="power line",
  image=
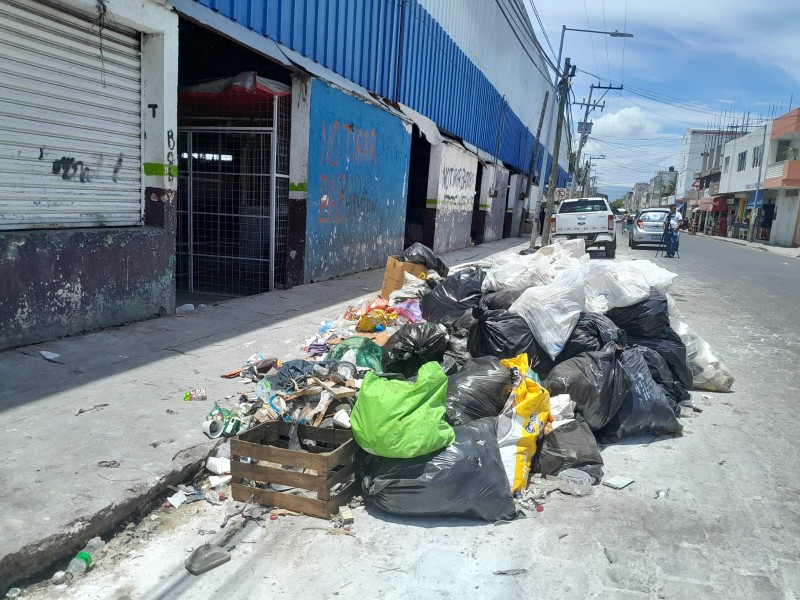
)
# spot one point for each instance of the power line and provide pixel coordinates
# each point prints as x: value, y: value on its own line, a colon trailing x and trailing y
x: 544, y: 31
x: 591, y: 36
x: 536, y: 43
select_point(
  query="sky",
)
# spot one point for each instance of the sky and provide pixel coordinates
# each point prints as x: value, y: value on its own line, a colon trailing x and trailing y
x: 690, y: 64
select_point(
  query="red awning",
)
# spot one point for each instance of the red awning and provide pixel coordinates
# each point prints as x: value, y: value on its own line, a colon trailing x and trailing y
x: 720, y: 204
x: 245, y: 94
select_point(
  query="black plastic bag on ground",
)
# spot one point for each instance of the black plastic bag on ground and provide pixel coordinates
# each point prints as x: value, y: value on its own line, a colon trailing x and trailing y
x: 462, y: 324
x: 456, y: 356
x: 502, y: 299
x: 294, y: 371
x: 674, y: 352
x: 452, y: 296
x: 500, y: 333
x: 646, y: 319
x: 645, y: 409
x: 570, y: 446
x: 480, y: 389
x: 595, y: 381
x: 411, y: 346
x: 592, y: 332
x: 466, y: 479
x: 420, y: 254
x: 662, y: 375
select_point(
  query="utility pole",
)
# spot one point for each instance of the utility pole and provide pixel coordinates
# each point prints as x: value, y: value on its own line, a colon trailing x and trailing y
x: 534, y: 156
x: 587, y: 126
x: 587, y: 171
x: 563, y: 88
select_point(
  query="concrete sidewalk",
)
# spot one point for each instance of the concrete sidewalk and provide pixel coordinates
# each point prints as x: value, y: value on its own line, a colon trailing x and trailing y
x: 117, y: 395
x: 788, y: 252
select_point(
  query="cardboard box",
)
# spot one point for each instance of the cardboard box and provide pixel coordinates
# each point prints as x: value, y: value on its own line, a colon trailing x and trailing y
x: 393, y: 276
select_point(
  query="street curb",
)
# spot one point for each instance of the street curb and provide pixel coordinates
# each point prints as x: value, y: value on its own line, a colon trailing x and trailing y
x: 743, y: 244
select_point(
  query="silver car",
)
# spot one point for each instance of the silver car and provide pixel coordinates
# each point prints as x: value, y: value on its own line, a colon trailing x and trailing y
x: 648, y: 227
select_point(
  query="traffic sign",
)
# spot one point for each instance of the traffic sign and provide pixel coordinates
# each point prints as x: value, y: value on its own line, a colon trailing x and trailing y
x: 561, y: 193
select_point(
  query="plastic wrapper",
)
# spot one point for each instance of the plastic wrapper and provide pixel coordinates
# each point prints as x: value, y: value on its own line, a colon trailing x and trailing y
x: 570, y: 446
x: 420, y: 254
x: 662, y: 375
x: 401, y: 419
x: 656, y: 277
x: 412, y: 346
x: 500, y: 333
x: 615, y: 286
x: 596, y: 382
x: 409, y: 310
x: 674, y: 352
x: 646, y: 319
x: 592, y: 332
x: 502, y: 299
x: 645, y: 409
x: 480, y: 389
x: 520, y: 424
x: 452, y: 296
x: 708, y: 369
x: 413, y: 287
x: 466, y: 479
x: 552, y: 311
x: 358, y: 350
x: 292, y: 371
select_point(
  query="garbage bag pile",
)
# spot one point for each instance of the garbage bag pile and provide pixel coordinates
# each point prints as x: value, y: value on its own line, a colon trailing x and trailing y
x: 467, y: 382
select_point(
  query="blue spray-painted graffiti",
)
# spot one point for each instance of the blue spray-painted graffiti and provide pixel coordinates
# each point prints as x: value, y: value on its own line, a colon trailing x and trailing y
x: 358, y: 157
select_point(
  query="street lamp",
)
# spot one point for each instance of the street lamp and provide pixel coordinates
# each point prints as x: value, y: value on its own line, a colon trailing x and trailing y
x: 552, y: 107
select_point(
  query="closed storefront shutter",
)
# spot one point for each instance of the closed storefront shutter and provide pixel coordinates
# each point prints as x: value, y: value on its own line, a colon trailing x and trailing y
x: 70, y: 119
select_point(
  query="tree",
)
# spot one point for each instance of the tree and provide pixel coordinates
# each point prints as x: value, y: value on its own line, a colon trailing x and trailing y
x: 619, y: 203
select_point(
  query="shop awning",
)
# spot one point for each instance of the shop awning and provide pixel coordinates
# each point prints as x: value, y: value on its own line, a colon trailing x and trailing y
x: 706, y: 204
x: 753, y: 202
x: 720, y: 204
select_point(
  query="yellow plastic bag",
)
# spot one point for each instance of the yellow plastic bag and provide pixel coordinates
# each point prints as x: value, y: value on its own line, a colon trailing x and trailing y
x: 520, y: 424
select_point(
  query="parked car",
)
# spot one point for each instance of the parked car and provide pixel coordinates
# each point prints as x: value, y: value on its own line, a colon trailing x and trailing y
x: 648, y: 227
x: 589, y: 218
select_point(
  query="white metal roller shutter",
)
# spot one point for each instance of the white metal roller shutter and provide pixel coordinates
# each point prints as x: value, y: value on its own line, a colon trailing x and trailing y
x: 70, y: 119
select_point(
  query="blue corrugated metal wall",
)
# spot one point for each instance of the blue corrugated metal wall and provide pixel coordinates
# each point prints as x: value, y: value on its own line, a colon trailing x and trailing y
x: 358, y: 39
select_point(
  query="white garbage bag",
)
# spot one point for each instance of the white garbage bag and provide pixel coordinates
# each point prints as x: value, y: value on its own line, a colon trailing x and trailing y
x: 609, y: 286
x: 551, y: 311
x: 655, y: 276
x: 708, y: 369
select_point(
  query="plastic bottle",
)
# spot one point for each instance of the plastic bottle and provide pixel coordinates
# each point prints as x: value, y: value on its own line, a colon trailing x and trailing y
x: 83, y: 560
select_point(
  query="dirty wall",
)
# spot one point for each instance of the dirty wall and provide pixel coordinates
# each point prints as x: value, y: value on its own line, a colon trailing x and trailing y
x: 451, y: 190
x: 494, y: 193
x: 56, y: 283
x: 358, y: 158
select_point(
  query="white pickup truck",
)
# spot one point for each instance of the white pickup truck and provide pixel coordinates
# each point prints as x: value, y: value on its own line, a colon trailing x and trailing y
x: 589, y: 218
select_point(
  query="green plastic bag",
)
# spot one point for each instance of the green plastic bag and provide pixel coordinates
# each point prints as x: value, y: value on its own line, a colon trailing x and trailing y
x: 365, y: 352
x: 400, y: 419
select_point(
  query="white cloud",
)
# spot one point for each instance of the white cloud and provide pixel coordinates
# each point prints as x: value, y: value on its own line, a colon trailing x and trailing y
x: 631, y: 122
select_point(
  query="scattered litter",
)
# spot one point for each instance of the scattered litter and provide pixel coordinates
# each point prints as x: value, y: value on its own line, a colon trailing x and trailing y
x: 197, y: 394
x: 215, y: 481
x: 111, y: 464
x: 172, y: 412
x: 184, y: 308
x: 51, y: 357
x: 218, y: 465
x: 346, y: 515
x: 561, y: 536
x: 610, y: 555
x: 177, y: 499
x: 330, y: 531
x: 205, y: 558
x: 618, y: 482
x: 95, y: 407
x: 662, y: 493
x: 511, y: 572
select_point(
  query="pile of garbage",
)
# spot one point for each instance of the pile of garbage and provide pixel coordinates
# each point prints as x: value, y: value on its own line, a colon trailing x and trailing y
x: 464, y: 385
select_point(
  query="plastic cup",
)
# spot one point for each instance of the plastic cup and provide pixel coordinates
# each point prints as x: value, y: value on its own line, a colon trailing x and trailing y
x: 213, y: 428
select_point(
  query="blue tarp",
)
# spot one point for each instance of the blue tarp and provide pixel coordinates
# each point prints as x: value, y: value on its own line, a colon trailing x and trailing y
x: 751, y: 200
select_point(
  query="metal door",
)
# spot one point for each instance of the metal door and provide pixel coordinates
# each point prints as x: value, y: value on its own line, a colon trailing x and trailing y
x: 229, y: 205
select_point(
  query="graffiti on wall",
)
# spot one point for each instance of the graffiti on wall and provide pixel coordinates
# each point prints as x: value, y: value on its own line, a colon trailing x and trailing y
x: 358, y: 158
x: 452, y: 195
x: 458, y: 187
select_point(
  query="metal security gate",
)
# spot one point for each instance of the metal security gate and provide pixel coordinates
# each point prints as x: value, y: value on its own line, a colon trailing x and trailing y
x: 70, y: 118
x: 232, y: 208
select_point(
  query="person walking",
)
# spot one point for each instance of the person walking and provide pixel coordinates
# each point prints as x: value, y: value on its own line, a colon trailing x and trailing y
x: 628, y: 218
x: 672, y: 223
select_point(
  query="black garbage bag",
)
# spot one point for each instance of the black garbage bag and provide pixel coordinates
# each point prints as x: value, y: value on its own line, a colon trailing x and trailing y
x: 662, y: 375
x: 645, y: 409
x: 674, y: 352
x: 595, y: 381
x: 465, y: 479
x: 411, y: 346
x: 420, y: 254
x: 480, y: 389
x: 452, y: 296
x: 570, y: 446
x: 456, y: 356
x: 592, y: 332
x: 462, y: 324
x: 646, y: 319
x: 498, y: 333
x: 502, y: 299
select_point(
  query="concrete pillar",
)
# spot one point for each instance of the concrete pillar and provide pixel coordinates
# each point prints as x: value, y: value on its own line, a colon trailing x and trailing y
x: 298, y: 180
x: 451, y: 190
x: 493, y: 196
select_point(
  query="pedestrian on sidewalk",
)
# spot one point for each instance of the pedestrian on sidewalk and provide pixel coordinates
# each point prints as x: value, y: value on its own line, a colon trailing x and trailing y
x: 671, y: 224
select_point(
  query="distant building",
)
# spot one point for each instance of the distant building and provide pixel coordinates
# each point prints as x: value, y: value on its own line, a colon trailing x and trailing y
x: 662, y: 186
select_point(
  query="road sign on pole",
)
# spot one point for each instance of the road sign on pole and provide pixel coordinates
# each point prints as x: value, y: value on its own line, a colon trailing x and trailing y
x: 561, y: 194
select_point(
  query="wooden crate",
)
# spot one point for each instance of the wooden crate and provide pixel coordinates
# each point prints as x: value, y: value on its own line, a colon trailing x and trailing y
x: 333, y: 459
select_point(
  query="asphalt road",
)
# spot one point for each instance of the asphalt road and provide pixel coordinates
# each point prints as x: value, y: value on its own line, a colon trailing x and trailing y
x: 727, y: 529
